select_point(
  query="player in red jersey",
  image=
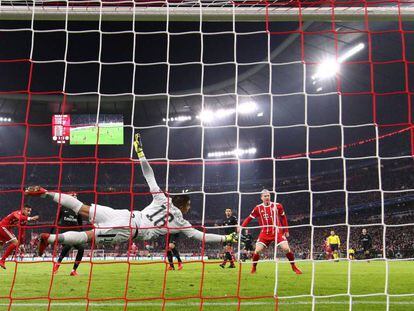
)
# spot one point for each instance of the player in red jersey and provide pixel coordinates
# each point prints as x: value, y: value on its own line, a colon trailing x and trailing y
x: 271, y: 216
x: 6, y: 226
x: 328, y: 250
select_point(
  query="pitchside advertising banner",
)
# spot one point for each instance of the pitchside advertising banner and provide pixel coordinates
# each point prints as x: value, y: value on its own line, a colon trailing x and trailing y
x: 87, y: 129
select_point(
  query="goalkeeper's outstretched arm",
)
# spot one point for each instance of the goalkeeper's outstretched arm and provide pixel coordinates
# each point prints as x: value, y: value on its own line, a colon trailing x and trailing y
x: 193, y: 233
x: 209, y: 237
x: 145, y: 166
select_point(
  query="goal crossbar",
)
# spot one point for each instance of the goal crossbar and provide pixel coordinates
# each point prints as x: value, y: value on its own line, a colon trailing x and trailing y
x: 206, y: 13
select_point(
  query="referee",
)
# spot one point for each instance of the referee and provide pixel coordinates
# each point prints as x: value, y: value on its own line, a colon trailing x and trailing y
x: 334, y: 243
x: 68, y: 218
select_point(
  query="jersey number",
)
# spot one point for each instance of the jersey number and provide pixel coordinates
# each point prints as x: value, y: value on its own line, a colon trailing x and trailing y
x: 160, y: 221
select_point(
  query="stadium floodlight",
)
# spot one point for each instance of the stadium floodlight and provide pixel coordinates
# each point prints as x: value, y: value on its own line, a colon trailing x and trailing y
x: 330, y: 67
x: 178, y: 118
x: 222, y: 113
x: 209, y: 116
x: 206, y: 116
x: 236, y: 152
x: 246, y: 108
x: 260, y: 114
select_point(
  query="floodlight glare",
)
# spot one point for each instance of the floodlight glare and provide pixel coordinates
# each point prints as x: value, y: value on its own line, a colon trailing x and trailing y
x: 235, y: 152
x: 206, y: 116
x: 326, y: 69
x: 247, y: 107
x: 223, y: 113
x: 329, y: 67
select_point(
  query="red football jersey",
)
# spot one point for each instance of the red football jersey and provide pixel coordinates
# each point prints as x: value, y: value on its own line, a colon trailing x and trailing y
x: 12, y: 219
x: 269, y: 217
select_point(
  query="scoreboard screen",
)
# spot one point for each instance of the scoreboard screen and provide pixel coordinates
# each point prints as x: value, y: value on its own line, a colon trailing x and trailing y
x: 83, y: 129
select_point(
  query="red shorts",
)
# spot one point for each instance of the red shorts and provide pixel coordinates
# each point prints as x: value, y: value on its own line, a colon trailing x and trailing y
x: 267, y: 239
x: 6, y: 235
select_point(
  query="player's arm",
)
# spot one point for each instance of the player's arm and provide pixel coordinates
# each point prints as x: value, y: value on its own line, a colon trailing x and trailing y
x: 200, y: 236
x: 339, y: 241
x: 249, y: 218
x: 145, y: 166
x: 283, y: 219
x: 22, y: 217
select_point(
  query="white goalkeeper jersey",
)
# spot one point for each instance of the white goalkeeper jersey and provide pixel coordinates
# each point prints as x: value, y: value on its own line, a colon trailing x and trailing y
x: 161, y: 217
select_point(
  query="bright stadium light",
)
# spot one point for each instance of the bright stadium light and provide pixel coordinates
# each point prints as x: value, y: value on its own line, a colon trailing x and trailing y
x: 229, y: 153
x: 246, y: 108
x: 223, y: 113
x: 4, y: 119
x: 351, y: 52
x: 206, y: 116
x: 209, y: 116
x: 178, y: 118
x: 326, y: 69
x: 329, y: 67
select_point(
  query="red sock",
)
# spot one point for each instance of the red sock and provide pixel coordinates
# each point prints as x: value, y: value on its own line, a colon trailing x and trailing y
x: 256, y: 258
x: 291, y: 258
x: 8, y: 251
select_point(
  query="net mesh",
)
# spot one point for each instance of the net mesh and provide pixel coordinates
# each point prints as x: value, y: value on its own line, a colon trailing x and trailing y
x: 311, y: 100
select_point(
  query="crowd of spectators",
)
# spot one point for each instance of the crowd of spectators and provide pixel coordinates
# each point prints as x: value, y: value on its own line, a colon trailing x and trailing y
x: 312, y: 214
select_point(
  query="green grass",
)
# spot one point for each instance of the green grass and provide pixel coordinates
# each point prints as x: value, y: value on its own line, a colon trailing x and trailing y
x: 145, y: 282
x: 88, y: 136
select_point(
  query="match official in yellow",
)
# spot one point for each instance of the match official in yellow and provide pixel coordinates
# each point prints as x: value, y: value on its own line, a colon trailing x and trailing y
x: 335, y: 243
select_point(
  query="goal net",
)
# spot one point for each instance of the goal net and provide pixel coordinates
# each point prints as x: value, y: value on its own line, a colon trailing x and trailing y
x: 311, y: 100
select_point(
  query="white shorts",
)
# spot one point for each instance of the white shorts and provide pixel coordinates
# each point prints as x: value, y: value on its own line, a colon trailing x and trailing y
x: 111, y: 225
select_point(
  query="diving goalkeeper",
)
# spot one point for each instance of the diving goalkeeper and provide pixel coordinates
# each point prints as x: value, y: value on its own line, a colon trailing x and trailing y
x: 112, y: 226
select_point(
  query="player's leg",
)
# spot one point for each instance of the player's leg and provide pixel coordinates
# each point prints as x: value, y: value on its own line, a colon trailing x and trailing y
x: 63, y: 253
x: 256, y: 255
x: 284, y: 246
x: 69, y: 238
x: 78, y: 259
x: 12, y: 246
x: 367, y: 255
x: 335, y: 250
x: 170, y: 256
x: 176, y: 254
x: 231, y: 255
x: 225, y: 257
x: 65, y: 200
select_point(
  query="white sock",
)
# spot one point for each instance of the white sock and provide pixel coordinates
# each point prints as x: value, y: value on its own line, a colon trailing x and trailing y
x: 67, y: 201
x: 70, y: 238
x: 51, y: 238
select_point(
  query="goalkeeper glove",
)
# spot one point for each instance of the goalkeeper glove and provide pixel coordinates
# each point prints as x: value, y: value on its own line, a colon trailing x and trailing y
x: 138, y: 146
x: 231, y: 238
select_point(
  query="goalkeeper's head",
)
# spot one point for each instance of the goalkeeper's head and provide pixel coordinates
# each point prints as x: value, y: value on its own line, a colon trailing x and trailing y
x: 182, y: 202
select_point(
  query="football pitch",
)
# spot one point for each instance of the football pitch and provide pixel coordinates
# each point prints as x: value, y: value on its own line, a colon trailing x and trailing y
x: 88, y: 135
x: 109, y: 281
